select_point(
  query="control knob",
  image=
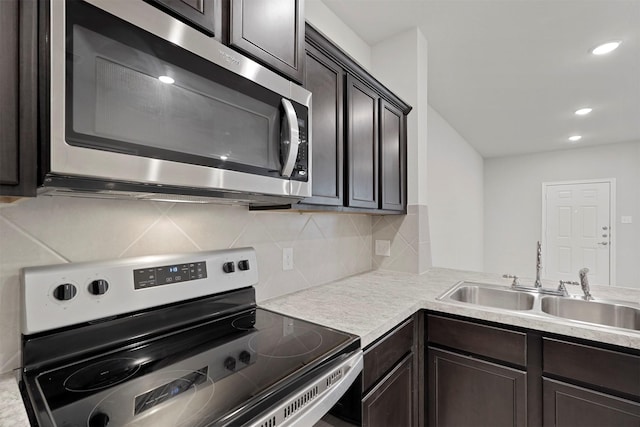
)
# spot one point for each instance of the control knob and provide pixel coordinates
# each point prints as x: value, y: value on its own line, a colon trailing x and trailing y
x: 99, y: 420
x: 244, y: 357
x: 230, y: 363
x: 229, y: 267
x: 64, y: 292
x: 243, y: 265
x: 99, y: 287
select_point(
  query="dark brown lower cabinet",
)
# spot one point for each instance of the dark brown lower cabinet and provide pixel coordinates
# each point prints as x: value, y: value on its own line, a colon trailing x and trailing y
x: 464, y: 391
x: 567, y: 405
x: 391, y: 378
x: 390, y: 403
x: 486, y: 374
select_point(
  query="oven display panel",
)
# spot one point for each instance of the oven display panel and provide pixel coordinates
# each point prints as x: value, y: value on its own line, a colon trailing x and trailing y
x: 168, y: 274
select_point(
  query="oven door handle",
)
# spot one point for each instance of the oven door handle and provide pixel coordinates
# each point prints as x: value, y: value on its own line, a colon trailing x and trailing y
x: 290, y: 138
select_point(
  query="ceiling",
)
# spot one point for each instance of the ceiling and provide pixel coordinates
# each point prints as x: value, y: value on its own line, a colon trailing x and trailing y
x: 509, y: 74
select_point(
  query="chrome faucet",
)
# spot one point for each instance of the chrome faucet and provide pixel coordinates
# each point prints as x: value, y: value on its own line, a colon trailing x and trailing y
x: 538, y: 283
x: 584, y: 284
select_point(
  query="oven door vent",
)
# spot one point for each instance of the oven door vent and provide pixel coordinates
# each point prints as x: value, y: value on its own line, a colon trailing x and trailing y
x: 301, y: 402
x: 313, y: 400
x: 271, y: 422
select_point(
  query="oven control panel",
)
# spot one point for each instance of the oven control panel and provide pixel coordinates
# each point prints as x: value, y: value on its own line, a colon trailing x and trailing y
x: 68, y: 294
x: 169, y: 274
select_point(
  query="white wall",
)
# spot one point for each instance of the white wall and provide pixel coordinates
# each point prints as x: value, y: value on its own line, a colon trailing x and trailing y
x: 324, y: 20
x: 513, y: 206
x: 455, y: 197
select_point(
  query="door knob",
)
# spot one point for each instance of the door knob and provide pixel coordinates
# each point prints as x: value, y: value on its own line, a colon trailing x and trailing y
x: 605, y: 228
x: 603, y: 243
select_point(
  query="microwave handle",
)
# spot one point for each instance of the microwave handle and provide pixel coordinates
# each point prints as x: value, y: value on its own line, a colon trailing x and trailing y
x: 291, y: 140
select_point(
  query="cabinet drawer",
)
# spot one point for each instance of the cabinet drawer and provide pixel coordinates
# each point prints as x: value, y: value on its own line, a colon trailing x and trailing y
x: 604, y: 368
x: 489, y: 341
x: 384, y: 354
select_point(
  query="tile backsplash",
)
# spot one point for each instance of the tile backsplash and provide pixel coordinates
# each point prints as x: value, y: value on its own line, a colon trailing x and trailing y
x: 409, y: 239
x: 53, y: 230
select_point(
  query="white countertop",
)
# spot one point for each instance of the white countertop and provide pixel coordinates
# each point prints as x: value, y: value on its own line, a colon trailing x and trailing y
x: 12, y: 412
x: 370, y: 304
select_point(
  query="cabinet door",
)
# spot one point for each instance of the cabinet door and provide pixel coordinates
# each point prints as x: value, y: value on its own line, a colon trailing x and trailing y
x: 568, y: 406
x: 393, y: 150
x: 272, y: 32
x: 324, y: 78
x: 464, y: 391
x: 18, y: 91
x: 391, y: 402
x: 362, y: 143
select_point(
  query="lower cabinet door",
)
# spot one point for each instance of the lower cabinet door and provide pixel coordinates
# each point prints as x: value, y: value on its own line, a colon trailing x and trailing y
x: 389, y: 404
x: 464, y: 391
x: 565, y: 405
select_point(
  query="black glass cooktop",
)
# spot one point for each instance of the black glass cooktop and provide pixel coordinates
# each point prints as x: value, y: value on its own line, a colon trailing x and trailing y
x: 191, y: 377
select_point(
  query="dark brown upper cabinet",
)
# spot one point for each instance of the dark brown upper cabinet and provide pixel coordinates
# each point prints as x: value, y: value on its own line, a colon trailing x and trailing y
x: 362, y: 144
x: 201, y: 14
x: 18, y: 92
x: 324, y: 77
x: 272, y: 32
x: 359, y: 139
x: 393, y: 157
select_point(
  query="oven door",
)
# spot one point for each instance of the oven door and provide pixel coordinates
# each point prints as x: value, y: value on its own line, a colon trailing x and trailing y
x: 151, y: 100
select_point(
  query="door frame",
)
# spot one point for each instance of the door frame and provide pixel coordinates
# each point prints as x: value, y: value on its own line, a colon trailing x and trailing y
x: 612, y: 221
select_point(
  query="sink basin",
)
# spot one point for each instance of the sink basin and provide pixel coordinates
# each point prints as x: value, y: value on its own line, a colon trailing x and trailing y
x: 599, y: 312
x: 491, y: 296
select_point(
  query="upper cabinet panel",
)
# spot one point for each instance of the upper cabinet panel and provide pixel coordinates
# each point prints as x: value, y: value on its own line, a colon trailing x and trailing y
x: 272, y: 32
x: 325, y: 79
x: 18, y: 92
x: 362, y: 143
x: 392, y: 157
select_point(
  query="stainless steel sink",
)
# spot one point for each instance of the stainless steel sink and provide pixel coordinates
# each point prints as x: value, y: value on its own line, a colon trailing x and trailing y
x: 490, y: 296
x: 598, y: 312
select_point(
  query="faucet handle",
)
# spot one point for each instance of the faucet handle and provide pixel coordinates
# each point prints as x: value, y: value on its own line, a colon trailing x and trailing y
x: 516, y: 279
x: 569, y: 282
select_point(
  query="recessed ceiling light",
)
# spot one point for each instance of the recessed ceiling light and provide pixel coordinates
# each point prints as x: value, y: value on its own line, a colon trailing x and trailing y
x: 575, y: 138
x: 584, y: 111
x: 166, y: 79
x: 224, y: 157
x: 606, y: 47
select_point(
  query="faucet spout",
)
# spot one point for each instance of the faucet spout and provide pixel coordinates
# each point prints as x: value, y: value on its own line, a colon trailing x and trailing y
x: 538, y: 283
x: 584, y: 284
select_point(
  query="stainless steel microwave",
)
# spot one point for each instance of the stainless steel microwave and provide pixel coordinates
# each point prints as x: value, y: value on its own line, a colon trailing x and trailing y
x: 142, y: 105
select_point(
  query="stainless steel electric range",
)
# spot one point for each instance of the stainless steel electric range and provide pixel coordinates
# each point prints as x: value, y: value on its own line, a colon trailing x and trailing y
x: 173, y: 340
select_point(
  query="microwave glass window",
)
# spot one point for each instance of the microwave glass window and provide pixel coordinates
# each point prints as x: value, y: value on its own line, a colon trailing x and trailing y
x: 131, y: 95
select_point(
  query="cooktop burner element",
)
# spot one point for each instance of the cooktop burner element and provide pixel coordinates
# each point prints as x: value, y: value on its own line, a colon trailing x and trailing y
x: 213, y: 359
x: 101, y: 375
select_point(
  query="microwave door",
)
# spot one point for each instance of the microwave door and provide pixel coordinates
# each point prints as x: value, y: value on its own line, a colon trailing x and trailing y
x: 290, y: 140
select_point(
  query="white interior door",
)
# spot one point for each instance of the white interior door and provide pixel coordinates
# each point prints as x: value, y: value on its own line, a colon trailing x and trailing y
x: 578, y: 231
